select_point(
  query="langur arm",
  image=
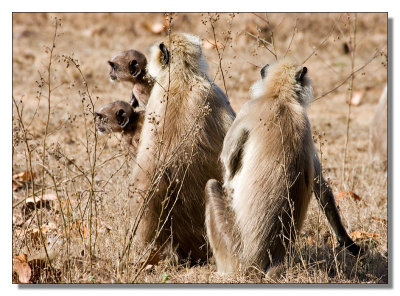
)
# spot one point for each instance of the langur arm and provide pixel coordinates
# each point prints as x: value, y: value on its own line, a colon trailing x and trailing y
x: 233, y: 161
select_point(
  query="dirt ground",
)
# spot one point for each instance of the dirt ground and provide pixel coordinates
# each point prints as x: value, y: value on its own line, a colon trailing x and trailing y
x: 84, y: 222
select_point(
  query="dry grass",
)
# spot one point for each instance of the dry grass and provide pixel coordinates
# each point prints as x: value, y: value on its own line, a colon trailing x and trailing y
x: 84, y: 229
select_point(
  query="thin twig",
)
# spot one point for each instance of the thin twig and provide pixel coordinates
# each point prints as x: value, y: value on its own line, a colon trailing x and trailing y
x: 353, y: 52
x: 321, y: 44
x: 291, y: 39
x: 263, y: 41
x: 376, y: 54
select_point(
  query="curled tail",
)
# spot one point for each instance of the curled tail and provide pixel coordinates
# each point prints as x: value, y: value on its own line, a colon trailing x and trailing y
x: 324, y: 195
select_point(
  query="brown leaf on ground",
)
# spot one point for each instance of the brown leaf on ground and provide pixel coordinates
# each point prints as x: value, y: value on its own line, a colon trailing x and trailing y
x: 41, y: 202
x: 33, y: 234
x: 384, y: 221
x: 66, y: 205
x: 78, y: 227
x: 363, y: 235
x: 18, y: 180
x: 329, y: 239
x: 22, y: 269
x: 21, y: 258
x: 153, y: 259
x: 347, y: 195
x: 45, y: 197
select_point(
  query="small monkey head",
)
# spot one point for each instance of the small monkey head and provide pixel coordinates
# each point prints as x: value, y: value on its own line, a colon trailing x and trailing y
x: 116, y: 117
x: 284, y: 80
x: 129, y: 65
x: 180, y: 52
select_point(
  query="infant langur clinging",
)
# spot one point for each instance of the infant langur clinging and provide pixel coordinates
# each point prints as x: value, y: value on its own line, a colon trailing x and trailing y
x: 121, y: 117
x: 130, y: 66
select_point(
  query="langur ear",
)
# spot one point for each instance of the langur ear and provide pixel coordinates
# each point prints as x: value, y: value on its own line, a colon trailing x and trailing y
x: 122, y: 118
x: 164, y: 54
x: 264, y: 71
x: 134, y: 68
x: 301, y: 74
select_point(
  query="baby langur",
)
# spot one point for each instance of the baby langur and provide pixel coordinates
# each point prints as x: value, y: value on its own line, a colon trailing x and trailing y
x: 130, y: 66
x: 270, y: 164
x: 121, y: 117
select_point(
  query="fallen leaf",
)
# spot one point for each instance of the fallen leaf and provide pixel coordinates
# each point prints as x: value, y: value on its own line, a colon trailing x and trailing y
x: 21, y: 258
x: 153, y: 259
x: 16, y: 186
x: 148, y: 267
x: 22, y: 268
x: 347, y: 195
x: 45, y: 197
x: 18, y: 180
x: 384, y: 221
x: 329, y: 239
x: 356, y: 99
x: 82, y: 228
x: 363, y: 235
x: 66, y: 205
x: 77, y: 228
x: 23, y: 176
x: 41, y: 202
x: 49, y: 227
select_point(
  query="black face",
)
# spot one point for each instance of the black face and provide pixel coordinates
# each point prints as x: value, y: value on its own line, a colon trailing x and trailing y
x: 264, y: 71
x: 113, y: 70
x: 101, y: 122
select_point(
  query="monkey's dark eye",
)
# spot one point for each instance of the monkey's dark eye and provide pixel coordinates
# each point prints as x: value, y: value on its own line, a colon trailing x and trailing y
x: 112, y: 65
x: 264, y: 71
x: 98, y: 115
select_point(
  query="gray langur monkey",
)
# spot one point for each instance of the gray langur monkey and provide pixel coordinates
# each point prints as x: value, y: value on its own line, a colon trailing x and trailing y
x: 271, y: 167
